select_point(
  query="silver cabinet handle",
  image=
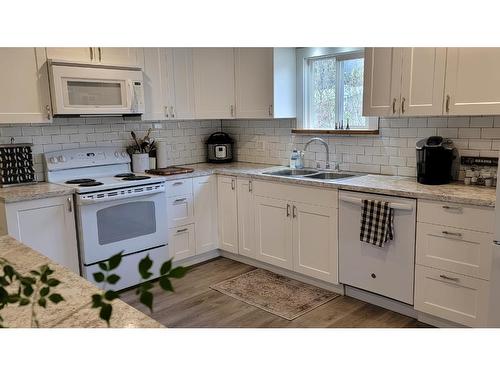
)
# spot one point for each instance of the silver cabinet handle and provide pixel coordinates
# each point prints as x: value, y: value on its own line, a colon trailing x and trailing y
x: 456, y: 279
x: 403, y: 105
x: 232, y: 184
x: 456, y: 208
x: 172, y: 113
x: 180, y: 200
x: 447, y: 104
x: 250, y: 187
x: 231, y: 110
x: 91, y: 53
x: 166, y: 112
x: 271, y: 110
x: 70, y: 204
x: 452, y: 233
x: 182, y: 230
x: 287, y: 210
x: 394, y: 106
x: 177, y: 183
x: 100, y: 53
x: 294, y: 211
x: 49, y: 115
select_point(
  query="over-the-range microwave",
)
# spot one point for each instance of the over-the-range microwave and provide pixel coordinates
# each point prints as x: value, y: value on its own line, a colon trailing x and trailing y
x: 95, y: 90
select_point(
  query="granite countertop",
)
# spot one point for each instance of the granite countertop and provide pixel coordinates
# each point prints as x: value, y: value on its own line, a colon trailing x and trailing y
x: 369, y: 183
x: 75, y: 311
x: 34, y: 191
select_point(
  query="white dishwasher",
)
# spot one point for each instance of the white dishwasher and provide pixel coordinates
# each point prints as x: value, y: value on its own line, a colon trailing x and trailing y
x: 388, y: 270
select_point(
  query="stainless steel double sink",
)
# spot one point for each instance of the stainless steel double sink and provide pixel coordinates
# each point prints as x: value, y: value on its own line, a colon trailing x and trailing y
x: 309, y: 173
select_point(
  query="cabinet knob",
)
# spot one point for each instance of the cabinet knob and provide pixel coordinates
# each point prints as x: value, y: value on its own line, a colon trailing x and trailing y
x: 373, y: 276
x: 447, y: 103
x: 49, y: 115
x: 91, y: 53
x: 287, y: 210
x: 393, y: 106
x: 231, y: 110
x: 403, y: 105
x: 166, y: 111
x: 99, y: 49
x: 232, y: 184
x: 271, y: 110
x: 70, y: 204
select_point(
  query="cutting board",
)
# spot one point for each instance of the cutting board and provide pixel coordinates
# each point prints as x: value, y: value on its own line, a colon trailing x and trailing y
x: 168, y: 171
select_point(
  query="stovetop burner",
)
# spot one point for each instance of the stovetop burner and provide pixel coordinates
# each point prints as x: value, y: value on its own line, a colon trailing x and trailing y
x: 134, y: 178
x: 80, y: 181
x: 91, y: 183
x: 125, y: 175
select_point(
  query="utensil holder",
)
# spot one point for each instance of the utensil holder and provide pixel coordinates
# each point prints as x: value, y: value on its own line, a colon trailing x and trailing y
x: 140, y: 162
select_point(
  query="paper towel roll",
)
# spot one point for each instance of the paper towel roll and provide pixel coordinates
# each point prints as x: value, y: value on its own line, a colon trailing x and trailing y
x: 161, y: 154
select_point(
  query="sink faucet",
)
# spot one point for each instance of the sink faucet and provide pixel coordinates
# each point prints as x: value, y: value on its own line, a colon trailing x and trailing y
x: 327, y: 149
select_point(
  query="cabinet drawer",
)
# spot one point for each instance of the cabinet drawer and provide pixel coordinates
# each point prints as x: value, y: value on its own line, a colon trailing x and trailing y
x: 456, y: 215
x: 180, y: 210
x: 179, y: 187
x: 181, y: 242
x: 326, y: 197
x: 451, y: 296
x: 456, y: 250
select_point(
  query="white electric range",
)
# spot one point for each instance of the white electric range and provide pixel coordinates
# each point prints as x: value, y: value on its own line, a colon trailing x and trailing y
x: 116, y: 210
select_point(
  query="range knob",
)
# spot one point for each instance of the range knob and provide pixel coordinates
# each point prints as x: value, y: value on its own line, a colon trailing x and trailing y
x: 53, y: 160
x: 123, y: 154
x: 61, y: 159
x: 117, y: 154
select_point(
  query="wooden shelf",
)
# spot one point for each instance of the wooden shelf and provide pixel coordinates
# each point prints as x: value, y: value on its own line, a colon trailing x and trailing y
x: 335, y: 132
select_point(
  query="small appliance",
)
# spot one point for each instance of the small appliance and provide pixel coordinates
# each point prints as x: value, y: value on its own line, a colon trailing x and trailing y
x: 220, y: 148
x: 435, y: 156
x: 79, y: 89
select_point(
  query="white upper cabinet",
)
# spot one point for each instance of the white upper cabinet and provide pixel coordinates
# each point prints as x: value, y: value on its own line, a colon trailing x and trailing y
x: 422, y: 82
x: 25, y: 86
x: 382, y: 82
x: 265, y: 80
x: 214, y: 83
x: 103, y: 55
x: 472, y: 81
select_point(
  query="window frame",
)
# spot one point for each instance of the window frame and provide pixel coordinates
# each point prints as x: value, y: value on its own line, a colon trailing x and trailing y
x: 304, y: 55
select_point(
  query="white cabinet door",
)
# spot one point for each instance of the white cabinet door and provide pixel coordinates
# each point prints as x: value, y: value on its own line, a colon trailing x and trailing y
x: 48, y: 226
x: 227, y: 213
x: 118, y: 55
x: 314, y: 241
x: 254, y: 82
x: 181, y: 242
x: 472, y: 81
x: 155, y: 72
x: 382, y: 82
x: 25, y: 95
x: 181, y: 104
x: 214, y: 82
x: 246, y: 218
x: 80, y: 54
x: 422, y: 84
x: 273, y: 231
x: 205, y: 213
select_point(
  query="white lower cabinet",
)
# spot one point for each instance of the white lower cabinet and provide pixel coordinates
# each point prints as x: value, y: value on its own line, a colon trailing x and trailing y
x: 228, y: 213
x: 46, y: 225
x: 180, y: 210
x: 314, y: 241
x: 451, y: 296
x: 246, y: 217
x: 205, y: 213
x: 273, y: 231
x: 182, y: 242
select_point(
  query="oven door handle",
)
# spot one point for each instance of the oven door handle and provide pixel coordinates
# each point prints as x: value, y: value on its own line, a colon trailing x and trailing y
x: 121, y: 194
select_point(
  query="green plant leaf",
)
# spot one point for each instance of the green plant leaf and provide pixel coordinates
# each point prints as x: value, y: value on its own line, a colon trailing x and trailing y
x: 144, y: 267
x: 8, y: 271
x: 42, y: 302
x: 103, y: 266
x: 177, y: 272
x: 146, y: 285
x: 3, y: 281
x: 12, y: 298
x: 44, y: 291
x: 110, y: 295
x: 56, y: 298
x: 36, y: 273
x: 115, y: 261
x: 165, y: 267
x: 165, y: 284
x: 28, y: 290
x: 98, y: 277
x: 53, y: 282
x: 96, y: 300
x: 146, y: 299
x: 24, y: 302
x: 113, y: 279
x: 105, y: 313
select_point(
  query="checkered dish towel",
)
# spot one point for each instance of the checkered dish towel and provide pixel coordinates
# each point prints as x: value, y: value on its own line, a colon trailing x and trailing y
x: 377, y: 222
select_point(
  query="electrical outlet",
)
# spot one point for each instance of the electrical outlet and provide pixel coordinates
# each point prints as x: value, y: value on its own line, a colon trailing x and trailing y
x: 156, y: 125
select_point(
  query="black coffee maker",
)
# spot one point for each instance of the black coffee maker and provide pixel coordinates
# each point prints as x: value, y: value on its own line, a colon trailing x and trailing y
x: 435, y: 157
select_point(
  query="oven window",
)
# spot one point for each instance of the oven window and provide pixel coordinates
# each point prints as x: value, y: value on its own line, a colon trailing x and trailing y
x: 82, y: 93
x: 125, y: 221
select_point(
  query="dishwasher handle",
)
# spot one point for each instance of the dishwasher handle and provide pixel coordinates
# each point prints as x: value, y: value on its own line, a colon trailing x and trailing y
x: 396, y: 206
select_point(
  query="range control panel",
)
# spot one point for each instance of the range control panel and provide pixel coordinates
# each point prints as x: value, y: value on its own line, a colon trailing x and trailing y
x: 85, y: 157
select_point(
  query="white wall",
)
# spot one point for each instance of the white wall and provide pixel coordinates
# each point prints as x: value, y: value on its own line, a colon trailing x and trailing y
x: 391, y: 152
x: 186, y: 139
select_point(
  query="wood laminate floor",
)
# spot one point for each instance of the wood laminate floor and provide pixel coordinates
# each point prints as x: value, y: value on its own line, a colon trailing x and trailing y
x: 194, y: 304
